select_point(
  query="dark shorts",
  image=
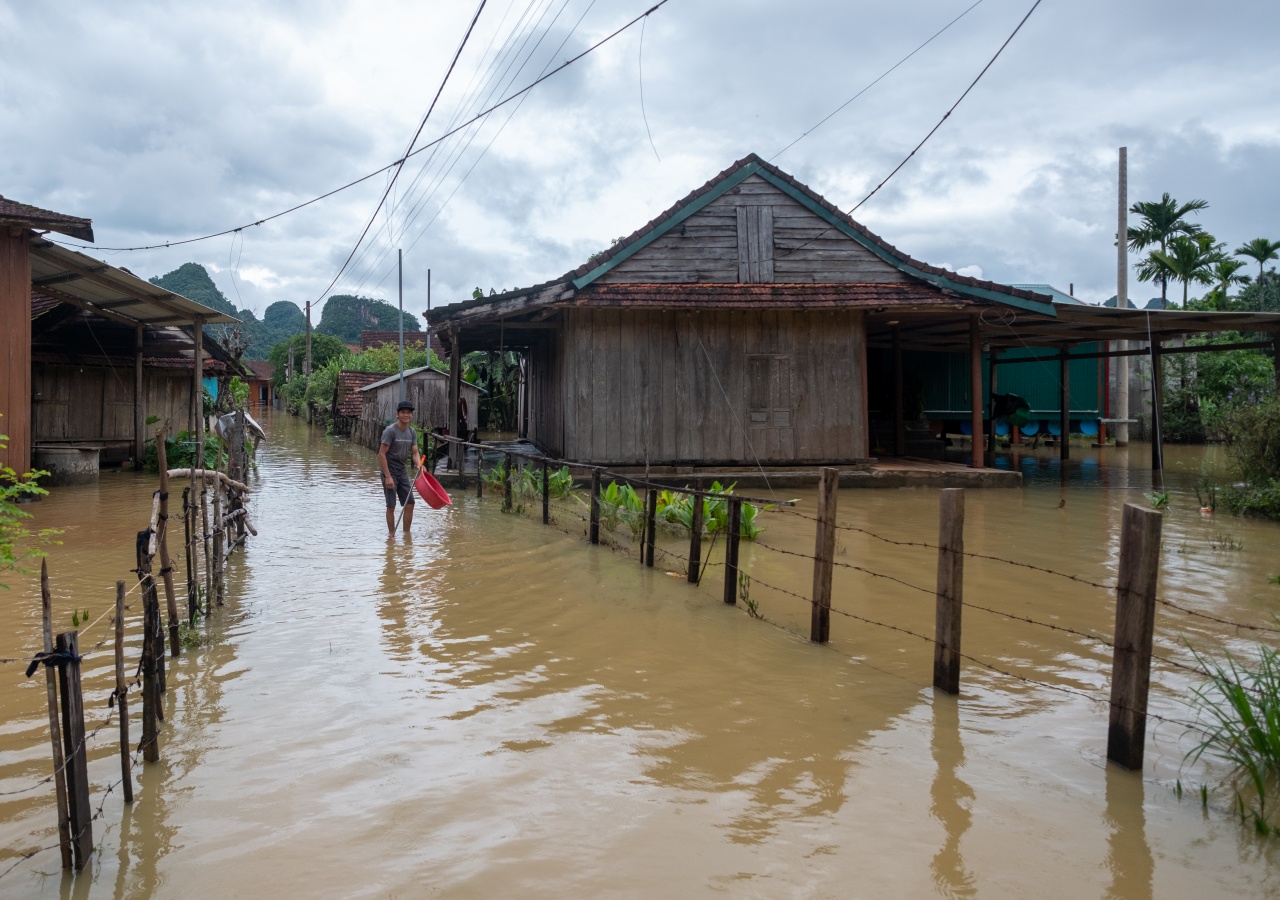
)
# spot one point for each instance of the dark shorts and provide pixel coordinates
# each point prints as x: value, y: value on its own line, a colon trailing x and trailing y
x: 403, y: 491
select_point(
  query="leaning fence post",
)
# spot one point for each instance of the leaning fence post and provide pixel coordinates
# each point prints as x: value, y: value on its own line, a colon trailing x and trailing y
x: 55, y: 730
x: 122, y: 697
x: 595, y: 506
x: 650, y: 524
x: 150, y: 680
x: 218, y: 534
x: 188, y: 514
x: 205, y: 536
x: 166, y: 564
x: 824, y: 551
x: 507, y: 462
x: 732, y: 539
x: 77, y: 772
x: 695, y: 540
x: 546, y: 495
x: 1135, y: 626
x: 946, y: 641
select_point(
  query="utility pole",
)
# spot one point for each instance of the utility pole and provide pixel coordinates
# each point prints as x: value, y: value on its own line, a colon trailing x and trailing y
x: 1122, y: 299
x: 306, y: 365
x: 400, y: 275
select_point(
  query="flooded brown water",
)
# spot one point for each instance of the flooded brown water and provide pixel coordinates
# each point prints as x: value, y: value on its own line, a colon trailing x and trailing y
x: 497, y: 709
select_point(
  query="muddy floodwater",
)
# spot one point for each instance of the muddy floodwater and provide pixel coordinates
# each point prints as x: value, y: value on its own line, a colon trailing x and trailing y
x: 495, y: 708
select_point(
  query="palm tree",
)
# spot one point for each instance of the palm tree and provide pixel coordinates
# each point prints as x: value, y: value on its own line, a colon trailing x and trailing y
x: 1223, y: 273
x: 1261, y: 250
x: 1161, y: 220
x: 1188, y: 259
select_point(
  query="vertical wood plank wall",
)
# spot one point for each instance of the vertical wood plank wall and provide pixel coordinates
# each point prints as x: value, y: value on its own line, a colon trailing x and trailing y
x: 672, y: 386
x: 15, y: 350
x: 95, y: 403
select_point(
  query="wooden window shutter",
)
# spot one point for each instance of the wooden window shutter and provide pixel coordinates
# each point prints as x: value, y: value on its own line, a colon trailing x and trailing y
x: 755, y: 244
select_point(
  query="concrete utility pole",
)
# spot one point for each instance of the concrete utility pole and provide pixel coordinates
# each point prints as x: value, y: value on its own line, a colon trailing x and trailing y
x: 400, y: 271
x: 306, y: 365
x: 1122, y: 300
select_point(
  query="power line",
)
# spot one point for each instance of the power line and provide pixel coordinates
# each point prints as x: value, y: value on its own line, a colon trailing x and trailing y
x: 524, y: 90
x: 421, y: 125
x: 887, y: 72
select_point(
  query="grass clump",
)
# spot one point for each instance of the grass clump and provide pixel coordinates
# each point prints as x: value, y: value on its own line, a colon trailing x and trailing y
x: 1239, y: 708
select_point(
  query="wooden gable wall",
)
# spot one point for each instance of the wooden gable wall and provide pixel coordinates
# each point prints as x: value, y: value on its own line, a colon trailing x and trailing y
x: 754, y: 234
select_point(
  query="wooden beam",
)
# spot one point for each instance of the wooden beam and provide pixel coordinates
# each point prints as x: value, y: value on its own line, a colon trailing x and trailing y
x: 138, y: 438
x: 456, y: 451
x: 975, y: 390
x: 197, y: 398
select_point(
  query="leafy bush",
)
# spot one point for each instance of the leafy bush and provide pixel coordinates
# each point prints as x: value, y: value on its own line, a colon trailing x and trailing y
x: 180, y: 452
x: 17, y: 543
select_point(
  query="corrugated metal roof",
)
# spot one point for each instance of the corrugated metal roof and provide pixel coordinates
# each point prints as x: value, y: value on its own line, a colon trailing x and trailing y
x: 72, y: 277
x: 27, y: 216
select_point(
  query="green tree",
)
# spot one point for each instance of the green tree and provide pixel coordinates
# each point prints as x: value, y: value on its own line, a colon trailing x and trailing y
x: 323, y: 349
x: 1186, y: 259
x: 1260, y: 250
x: 17, y: 543
x: 1161, y: 220
x: 498, y: 373
x: 1223, y: 274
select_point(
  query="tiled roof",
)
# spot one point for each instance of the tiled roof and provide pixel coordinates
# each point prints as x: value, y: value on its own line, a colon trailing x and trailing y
x: 14, y: 213
x: 261, y: 369
x: 759, y: 296
x: 349, y: 401
x: 41, y: 304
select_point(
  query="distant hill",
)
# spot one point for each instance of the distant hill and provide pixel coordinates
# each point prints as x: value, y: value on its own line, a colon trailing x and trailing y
x: 345, y: 316
x: 281, y: 321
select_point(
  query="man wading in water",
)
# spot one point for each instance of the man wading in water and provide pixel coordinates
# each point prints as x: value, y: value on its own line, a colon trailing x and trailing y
x: 399, y: 441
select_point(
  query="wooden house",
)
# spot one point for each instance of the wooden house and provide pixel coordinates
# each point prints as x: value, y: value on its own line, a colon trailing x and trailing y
x: 754, y: 323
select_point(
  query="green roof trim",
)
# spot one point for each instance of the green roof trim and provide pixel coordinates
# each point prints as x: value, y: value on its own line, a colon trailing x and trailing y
x: 697, y: 205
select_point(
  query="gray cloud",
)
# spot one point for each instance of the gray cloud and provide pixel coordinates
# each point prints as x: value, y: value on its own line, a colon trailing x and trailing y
x: 162, y: 122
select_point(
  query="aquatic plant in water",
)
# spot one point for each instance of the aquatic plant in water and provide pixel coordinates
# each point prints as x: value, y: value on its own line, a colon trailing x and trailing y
x: 1239, y: 709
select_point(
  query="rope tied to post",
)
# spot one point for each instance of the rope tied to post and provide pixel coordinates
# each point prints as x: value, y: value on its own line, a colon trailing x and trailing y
x: 52, y: 658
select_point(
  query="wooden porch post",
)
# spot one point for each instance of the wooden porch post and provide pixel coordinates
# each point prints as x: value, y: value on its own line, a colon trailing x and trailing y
x: 197, y: 399
x: 1064, y: 404
x: 1157, y: 410
x: 456, y: 452
x: 899, y: 426
x: 861, y: 420
x: 15, y: 349
x: 991, y: 390
x: 975, y: 390
x: 138, y: 437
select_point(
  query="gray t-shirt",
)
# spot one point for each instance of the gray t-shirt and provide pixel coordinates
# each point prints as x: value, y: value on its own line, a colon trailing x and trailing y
x: 400, y: 446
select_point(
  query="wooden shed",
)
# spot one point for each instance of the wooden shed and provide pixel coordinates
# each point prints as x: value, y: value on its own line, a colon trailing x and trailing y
x: 95, y: 351
x: 751, y: 324
x: 426, y: 388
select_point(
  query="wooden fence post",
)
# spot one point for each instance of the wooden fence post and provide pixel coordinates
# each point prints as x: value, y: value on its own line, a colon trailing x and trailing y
x: 219, y: 530
x: 650, y: 524
x: 76, y: 768
x: 188, y: 515
x: 122, y: 697
x: 205, y: 536
x: 946, y: 641
x: 55, y: 730
x: 695, y: 540
x: 595, y: 506
x: 166, y: 564
x: 150, y: 680
x: 507, y: 462
x: 1135, y: 626
x: 732, y: 538
x: 824, y: 551
x: 546, y: 495
x: 479, y: 480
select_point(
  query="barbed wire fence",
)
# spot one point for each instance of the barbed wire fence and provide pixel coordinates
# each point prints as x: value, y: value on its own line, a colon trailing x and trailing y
x: 626, y: 523
x: 62, y: 657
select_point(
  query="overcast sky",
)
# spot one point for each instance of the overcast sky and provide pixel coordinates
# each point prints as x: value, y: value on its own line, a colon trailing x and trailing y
x: 168, y: 121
